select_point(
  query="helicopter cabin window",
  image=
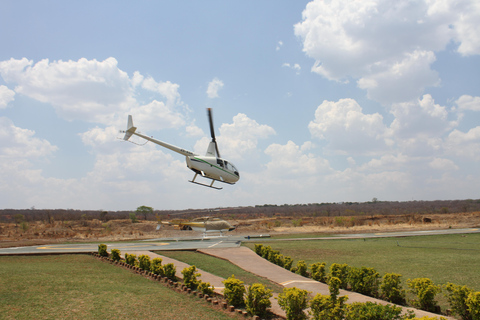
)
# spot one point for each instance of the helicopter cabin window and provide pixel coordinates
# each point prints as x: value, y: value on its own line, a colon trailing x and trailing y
x: 220, y: 162
x: 229, y: 166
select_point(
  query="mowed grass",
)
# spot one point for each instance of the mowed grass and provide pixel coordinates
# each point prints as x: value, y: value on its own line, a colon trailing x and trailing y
x: 219, y: 267
x: 443, y: 258
x: 82, y: 287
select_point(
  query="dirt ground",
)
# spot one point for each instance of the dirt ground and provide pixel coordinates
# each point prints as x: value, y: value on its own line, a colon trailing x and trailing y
x: 41, y: 232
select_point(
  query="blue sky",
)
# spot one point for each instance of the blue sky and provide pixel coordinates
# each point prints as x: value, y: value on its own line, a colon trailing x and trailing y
x: 322, y: 101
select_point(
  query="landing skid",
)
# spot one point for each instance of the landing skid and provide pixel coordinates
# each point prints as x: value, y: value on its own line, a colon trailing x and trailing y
x: 202, y: 184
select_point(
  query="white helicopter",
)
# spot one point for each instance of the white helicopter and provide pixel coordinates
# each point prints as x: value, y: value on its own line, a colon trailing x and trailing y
x: 210, y: 166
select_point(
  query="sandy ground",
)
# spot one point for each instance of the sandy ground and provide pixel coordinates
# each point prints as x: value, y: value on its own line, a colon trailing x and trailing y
x: 39, y: 232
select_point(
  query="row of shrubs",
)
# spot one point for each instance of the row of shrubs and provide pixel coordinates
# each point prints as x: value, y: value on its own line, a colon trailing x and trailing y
x: 255, y: 298
x: 463, y: 301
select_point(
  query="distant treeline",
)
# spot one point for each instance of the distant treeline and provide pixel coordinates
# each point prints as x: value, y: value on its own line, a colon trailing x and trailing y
x: 370, y: 208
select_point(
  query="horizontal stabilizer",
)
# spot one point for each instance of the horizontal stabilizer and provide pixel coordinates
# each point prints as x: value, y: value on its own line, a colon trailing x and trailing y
x: 130, y: 128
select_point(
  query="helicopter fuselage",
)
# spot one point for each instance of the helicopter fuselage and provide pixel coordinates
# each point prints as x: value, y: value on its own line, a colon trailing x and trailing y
x: 213, y: 168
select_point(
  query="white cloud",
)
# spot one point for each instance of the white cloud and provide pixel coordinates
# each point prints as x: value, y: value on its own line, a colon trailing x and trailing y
x: 84, y: 89
x: 279, y: 45
x: 239, y: 138
x: 443, y: 164
x: 295, y: 67
x: 467, y: 102
x: 347, y: 129
x: 388, y: 47
x: 291, y: 161
x: 17, y: 143
x: 213, y: 87
x: 464, y: 144
x: 6, y: 96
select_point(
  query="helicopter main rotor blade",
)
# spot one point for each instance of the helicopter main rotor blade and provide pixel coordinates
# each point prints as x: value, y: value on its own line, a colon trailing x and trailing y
x: 212, y: 131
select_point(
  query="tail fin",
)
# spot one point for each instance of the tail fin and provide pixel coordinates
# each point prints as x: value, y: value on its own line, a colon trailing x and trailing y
x: 130, y: 128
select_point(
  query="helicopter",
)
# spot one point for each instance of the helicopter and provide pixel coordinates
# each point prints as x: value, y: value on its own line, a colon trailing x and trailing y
x: 210, y: 166
x: 202, y: 224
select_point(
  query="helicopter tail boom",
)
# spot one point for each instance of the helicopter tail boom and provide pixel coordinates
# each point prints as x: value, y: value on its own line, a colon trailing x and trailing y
x: 130, y: 128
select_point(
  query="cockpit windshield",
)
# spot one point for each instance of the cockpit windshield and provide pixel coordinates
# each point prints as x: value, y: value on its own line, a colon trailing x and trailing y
x: 231, y: 167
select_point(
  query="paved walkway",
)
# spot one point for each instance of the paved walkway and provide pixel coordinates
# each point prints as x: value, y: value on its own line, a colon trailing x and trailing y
x: 250, y: 261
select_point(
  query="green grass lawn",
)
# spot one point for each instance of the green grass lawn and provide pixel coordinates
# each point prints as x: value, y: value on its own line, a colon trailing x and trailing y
x: 445, y: 258
x: 82, y: 287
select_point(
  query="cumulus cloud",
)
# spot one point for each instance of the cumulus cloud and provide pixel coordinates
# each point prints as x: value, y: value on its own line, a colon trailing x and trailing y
x: 6, y: 96
x: 347, y: 129
x: 85, y: 89
x: 464, y: 144
x: 238, y: 138
x: 18, y: 143
x: 467, y: 102
x: 374, y: 41
x: 95, y: 91
x: 213, y: 87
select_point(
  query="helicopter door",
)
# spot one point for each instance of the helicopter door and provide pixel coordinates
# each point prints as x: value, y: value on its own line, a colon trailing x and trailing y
x: 220, y: 163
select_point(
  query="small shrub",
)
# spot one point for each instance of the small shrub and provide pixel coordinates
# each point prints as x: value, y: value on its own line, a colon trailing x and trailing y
x: 258, y: 249
x: 115, y: 255
x: 329, y: 307
x: 257, y: 300
x: 130, y: 259
x: 318, y: 272
x: 144, y: 262
x: 234, y: 291
x: 301, y: 268
x: 457, y: 298
x: 280, y: 260
x: 190, y: 277
x: 156, y: 266
x: 473, y: 304
x: 364, y: 280
x: 102, y: 250
x: 392, y: 288
x: 205, y: 288
x: 265, y: 251
x: 133, y: 217
x: 170, y: 271
x: 425, y: 292
x: 374, y: 311
x: 287, y: 262
x: 294, y: 302
x: 339, y: 271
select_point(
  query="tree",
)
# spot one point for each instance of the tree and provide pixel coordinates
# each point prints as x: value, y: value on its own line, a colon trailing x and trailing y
x: 145, y: 211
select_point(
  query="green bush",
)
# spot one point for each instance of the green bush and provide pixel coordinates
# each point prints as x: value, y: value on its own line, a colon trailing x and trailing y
x: 115, y: 255
x: 144, y: 262
x: 170, y: 271
x: 205, y: 288
x: 392, y: 288
x: 364, y: 280
x: 190, y: 277
x: 265, y: 251
x: 258, y: 249
x: 339, y: 271
x: 102, y: 250
x: 288, y: 262
x: 318, y: 272
x: 156, y: 266
x: 294, y: 302
x: 279, y: 260
x: 425, y: 292
x: 234, y: 291
x: 473, y: 304
x: 301, y: 268
x: 329, y: 307
x: 457, y: 298
x: 373, y: 311
x: 130, y: 259
x: 257, y: 300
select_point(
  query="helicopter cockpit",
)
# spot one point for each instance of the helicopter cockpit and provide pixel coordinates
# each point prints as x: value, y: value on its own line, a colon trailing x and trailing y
x: 227, y: 165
